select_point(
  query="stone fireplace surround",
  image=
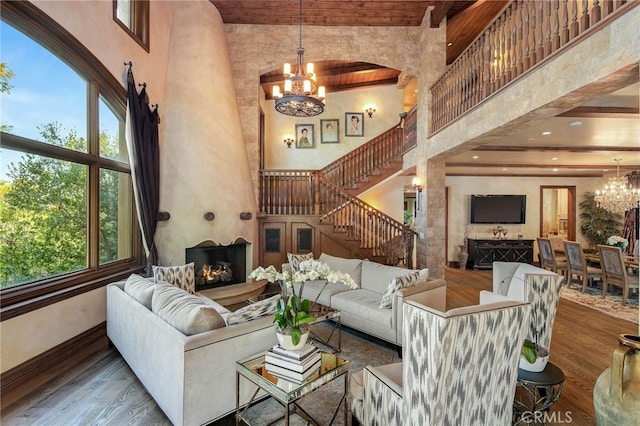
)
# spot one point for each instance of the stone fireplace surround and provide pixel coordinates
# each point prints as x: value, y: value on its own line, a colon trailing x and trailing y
x: 238, y: 256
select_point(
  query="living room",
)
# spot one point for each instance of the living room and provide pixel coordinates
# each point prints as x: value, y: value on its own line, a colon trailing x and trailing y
x: 194, y: 78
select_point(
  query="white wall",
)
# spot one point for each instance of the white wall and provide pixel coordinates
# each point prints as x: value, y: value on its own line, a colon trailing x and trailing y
x: 388, y: 100
x: 461, y: 189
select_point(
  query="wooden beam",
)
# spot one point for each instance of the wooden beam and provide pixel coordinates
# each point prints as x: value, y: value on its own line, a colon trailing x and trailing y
x: 583, y: 149
x: 600, y: 112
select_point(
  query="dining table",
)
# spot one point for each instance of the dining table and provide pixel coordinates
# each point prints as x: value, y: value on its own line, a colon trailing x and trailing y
x: 629, y: 261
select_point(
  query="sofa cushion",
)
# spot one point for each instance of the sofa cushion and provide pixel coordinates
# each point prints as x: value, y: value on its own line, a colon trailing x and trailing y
x: 364, y: 304
x: 186, y: 312
x: 140, y: 288
x: 353, y: 267
x: 296, y: 259
x: 254, y: 310
x: 183, y: 276
x: 376, y: 276
x: 396, y: 284
x: 224, y: 312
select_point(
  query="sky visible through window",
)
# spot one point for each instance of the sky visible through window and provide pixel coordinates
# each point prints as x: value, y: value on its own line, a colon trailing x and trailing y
x: 44, y: 90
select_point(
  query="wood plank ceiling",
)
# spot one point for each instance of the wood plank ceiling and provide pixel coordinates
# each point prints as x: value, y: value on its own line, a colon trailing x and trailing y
x: 466, y: 19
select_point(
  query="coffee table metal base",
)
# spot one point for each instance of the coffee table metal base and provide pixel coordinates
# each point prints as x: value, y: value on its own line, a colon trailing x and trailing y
x: 252, y: 371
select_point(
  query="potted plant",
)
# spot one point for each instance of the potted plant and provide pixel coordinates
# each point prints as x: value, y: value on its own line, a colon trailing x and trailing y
x: 292, y: 316
x: 534, y: 357
x: 597, y: 224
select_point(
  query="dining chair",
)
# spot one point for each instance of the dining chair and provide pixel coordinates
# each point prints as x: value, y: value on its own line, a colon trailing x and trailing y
x: 614, y: 272
x: 557, y: 243
x: 578, y: 266
x: 548, y: 259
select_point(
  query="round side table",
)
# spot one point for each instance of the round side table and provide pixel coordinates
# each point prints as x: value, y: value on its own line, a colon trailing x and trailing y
x: 536, y: 393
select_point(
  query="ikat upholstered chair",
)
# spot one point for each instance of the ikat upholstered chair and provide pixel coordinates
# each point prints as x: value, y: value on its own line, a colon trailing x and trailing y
x: 528, y: 283
x: 459, y: 367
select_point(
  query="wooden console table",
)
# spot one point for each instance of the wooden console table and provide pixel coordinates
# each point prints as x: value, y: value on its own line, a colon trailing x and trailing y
x: 482, y: 253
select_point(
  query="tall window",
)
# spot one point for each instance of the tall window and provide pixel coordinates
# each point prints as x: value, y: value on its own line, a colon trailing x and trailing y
x: 66, y: 212
x: 133, y: 16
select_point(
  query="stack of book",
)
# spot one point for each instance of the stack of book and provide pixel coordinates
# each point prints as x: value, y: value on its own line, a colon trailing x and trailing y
x: 296, y: 366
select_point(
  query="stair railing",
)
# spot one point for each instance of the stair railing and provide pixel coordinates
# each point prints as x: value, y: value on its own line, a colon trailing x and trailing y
x: 367, y: 159
x: 288, y: 192
x: 361, y: 221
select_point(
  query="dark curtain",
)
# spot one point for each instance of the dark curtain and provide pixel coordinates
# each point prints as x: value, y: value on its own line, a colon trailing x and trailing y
x: 144, y: 157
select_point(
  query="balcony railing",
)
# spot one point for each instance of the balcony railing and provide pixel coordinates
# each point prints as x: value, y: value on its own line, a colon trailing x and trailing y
x: 526, y: 34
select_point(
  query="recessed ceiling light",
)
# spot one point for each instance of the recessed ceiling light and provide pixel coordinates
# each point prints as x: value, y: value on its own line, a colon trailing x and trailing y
x: 531, y: 139
x: 475, y: 157
x: 546, y: 133
x: 576, y: 123
x: 504, y: 169
x: 554, y: 158
x: 555, y: 170
x: 449, y: 44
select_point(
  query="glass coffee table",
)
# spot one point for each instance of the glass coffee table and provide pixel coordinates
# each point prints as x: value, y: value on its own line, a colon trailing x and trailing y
x: 325, y: 313
x: 286, y: 392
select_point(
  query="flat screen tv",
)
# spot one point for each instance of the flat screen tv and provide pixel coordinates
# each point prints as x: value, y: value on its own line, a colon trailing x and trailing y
x: 498, y: 208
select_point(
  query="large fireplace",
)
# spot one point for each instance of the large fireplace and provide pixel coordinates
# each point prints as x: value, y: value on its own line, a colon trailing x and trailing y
x: 218, y: 265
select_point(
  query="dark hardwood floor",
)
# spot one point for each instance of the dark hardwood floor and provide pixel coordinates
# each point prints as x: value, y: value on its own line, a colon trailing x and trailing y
x: 582, y: 346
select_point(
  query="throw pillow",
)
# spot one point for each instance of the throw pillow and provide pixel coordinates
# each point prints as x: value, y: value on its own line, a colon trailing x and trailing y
x: 396, y: 284
x: 183, y: 276
x: 423, y: 276
x: 183, y: 311
x: 296, y: 259
x: 140, y: 288
x: 255, y: 310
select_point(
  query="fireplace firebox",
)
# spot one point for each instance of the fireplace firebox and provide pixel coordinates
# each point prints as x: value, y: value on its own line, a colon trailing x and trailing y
x: 218, y: 265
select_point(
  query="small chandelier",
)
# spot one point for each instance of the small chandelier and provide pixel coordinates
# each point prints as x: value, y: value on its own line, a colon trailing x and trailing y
x: 617, y: 196
x: 298, y: 99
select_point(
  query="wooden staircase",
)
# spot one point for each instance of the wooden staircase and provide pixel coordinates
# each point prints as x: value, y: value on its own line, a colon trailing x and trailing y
x: 326, y: 201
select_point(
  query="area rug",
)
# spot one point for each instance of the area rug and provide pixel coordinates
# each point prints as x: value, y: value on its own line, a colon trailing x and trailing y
x: 360, y: 349
x: 611, y: 305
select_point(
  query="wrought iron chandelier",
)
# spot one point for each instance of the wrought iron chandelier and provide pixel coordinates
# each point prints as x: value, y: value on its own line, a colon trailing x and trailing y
x: 617, y: 195
x: 297, y: 98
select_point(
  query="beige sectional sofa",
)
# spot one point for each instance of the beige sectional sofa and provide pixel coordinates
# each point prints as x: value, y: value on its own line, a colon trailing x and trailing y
x: 191, y: 377
x: 360, y: 308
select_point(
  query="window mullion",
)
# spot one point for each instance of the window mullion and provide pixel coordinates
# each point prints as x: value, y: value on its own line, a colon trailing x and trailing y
x: 93, y: 130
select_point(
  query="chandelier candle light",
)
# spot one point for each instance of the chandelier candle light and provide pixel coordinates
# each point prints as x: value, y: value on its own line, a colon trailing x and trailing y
x: 617, y: 195
x: 298, y: 99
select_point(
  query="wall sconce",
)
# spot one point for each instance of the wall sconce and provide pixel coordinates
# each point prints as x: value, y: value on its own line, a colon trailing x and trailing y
x: 416, y: 183
x: 370, y: 109
x: 288, y: 139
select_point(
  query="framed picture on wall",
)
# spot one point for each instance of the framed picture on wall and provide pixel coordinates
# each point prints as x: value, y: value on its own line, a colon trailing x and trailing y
x: 354, y: 124
x: 304, y: 136
x: 330, y: 131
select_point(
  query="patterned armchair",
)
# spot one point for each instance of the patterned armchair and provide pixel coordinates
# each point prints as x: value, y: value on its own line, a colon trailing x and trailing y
x: 459, y: 367
x: 528, y: 283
